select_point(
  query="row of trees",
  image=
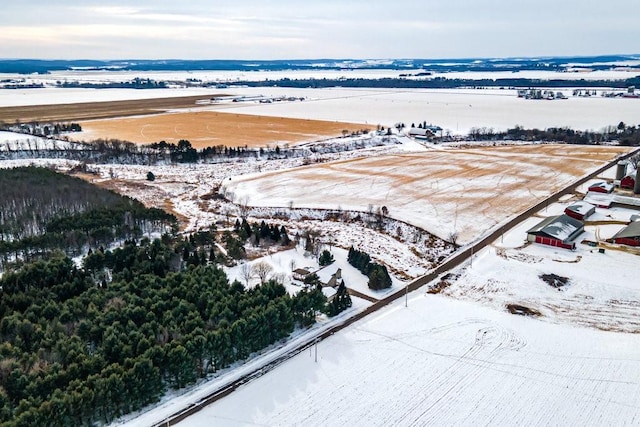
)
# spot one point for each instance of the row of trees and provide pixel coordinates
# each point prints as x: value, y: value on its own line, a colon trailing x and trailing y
x: 378, y: 275
x: 78, y: 351
x: 625, y: 135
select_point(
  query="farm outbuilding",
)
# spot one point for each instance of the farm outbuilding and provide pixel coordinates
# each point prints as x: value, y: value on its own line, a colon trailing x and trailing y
x: 580, y: 210
x: 559, y: 231
x: 420, y: 133
x: 628, y: 181
x: 601, y: 187
x: 630, y: 235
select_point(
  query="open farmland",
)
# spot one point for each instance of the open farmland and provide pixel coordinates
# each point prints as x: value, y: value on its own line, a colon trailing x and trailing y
x: 445, y: 362
x: 210, y: 128
x: 93, y: 110
x: 443, y: 191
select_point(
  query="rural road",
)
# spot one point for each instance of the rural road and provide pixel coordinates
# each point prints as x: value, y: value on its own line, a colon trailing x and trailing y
x: 453, y: 261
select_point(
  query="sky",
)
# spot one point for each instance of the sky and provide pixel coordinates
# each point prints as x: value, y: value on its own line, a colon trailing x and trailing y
x: 301, y: 29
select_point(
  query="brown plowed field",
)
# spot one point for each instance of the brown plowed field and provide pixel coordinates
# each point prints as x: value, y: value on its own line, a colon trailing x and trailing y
x: 210, y: 128
x: 443, y: 191
x: 97, y: 110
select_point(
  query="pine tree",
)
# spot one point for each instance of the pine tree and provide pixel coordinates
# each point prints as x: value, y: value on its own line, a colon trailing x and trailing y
x: 325, y: 258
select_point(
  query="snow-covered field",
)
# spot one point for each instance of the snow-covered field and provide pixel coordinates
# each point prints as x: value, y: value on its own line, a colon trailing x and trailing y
x: 457, y: 111
x: 461, y: 359
x: 445, y: 192
x: 446, y: 362
x: 452, y: 359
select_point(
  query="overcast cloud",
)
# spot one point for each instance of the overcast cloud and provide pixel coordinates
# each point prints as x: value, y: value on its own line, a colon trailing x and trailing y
x: 296, y: 29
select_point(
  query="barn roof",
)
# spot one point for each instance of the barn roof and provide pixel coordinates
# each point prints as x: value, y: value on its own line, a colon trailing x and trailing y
x: 581, y: 207
x: 561, y: 227
x: 630, y: 231
x: 599, y: 199
x: 604, y: 185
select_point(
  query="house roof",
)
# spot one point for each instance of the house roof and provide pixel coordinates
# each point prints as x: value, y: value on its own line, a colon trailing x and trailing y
x: 561, y: 227
x: 581, y: 207
x: 329, y: 292
x: 301, y: 271
x: 630, y: 231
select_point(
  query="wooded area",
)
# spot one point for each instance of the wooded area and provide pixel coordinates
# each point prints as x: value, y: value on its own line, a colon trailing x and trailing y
x: 42, y: 211
x: 85, y: 345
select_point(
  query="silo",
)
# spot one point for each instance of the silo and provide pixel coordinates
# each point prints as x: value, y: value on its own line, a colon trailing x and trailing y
x: 621, y: 171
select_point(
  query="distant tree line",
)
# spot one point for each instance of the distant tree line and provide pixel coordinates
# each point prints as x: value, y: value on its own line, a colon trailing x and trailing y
x: 378, y: 275
x: 42, y: 129
x: 136, y: 83
x: 441, y: 83
x: 623, y: 134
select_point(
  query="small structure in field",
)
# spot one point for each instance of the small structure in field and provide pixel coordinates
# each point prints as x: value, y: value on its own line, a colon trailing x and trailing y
x: 420, y: 133
x: 601, y: 187
x: 559, y: 231
x: 580, y: 210
x: 630, y: 235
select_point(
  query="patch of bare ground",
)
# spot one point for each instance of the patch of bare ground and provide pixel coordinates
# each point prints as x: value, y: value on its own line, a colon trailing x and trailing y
x: 442, y: 284
x: 522, y: 310
x: 554, y: 280
x: 97, y: 110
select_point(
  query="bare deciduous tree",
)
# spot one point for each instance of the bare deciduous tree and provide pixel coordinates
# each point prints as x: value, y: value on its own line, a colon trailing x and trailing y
x: 246, y: 272
x: 262, y: 270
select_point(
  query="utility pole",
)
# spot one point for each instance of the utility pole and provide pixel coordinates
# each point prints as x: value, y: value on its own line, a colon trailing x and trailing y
x: 316, y: 347
x: 406, y: 295
x: 471, y: 260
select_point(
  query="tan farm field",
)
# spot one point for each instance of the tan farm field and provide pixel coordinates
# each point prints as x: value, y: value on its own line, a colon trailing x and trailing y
x: 463, y: 191
x: 211, y: 128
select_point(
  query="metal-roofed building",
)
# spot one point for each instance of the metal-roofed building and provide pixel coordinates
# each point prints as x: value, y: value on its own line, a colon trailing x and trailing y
x: 559, y: 231
x: 580, y: 210
x: 601, y: 187
x: 630, y: 235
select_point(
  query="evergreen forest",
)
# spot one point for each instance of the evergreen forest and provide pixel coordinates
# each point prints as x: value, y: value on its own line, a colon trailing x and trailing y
x: 83, y: 343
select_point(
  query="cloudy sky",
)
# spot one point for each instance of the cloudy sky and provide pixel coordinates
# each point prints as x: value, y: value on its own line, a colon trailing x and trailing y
x: 302, y: 29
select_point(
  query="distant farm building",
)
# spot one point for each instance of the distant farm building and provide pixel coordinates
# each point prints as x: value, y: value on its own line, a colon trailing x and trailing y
x: 628, y: 181
x: 630, y: 235
x: 559, y: 231
x: 580, y: 210
x: 420, y: 133
x: 601, y: 187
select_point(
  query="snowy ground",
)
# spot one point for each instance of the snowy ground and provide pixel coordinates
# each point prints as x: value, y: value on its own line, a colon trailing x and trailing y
x: 11, y: 141
x: 281, y: 262
x: 446, y: 362
x: 603, y: 290
x: 456, y: 110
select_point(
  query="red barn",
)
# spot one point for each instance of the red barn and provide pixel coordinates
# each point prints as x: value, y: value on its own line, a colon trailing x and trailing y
x: 580, y: 210
x: 559, y: 231
x: 630, y: 235
x: 601, y: 187
x: 628, y: 181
